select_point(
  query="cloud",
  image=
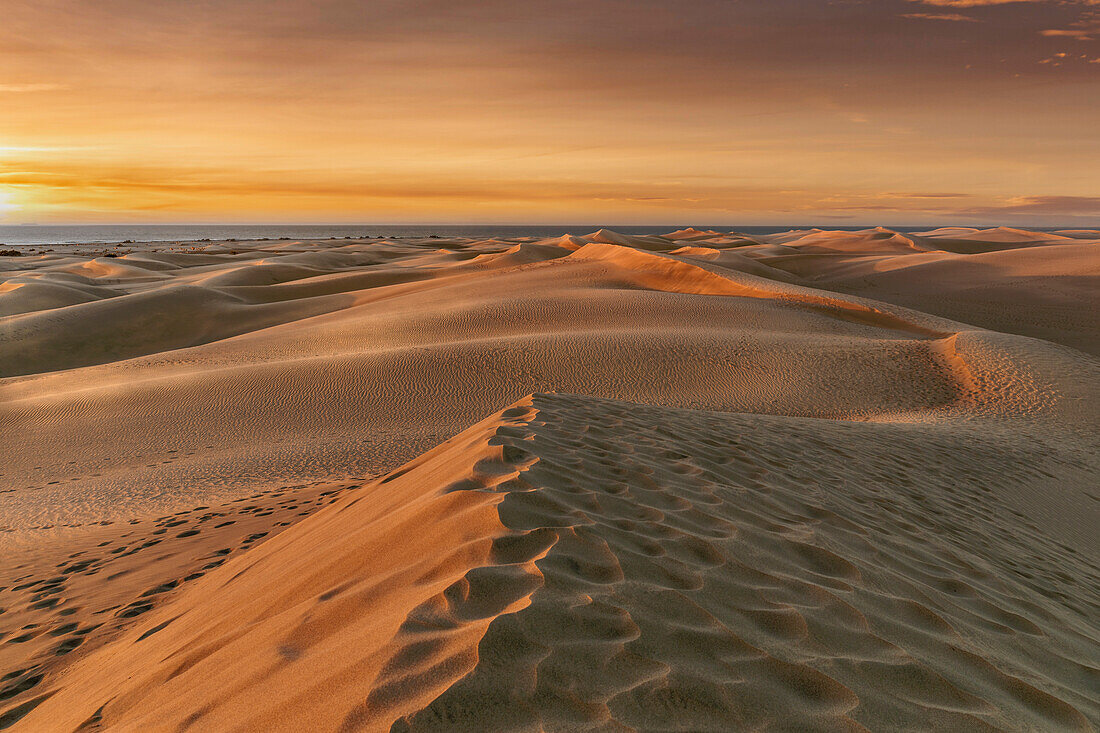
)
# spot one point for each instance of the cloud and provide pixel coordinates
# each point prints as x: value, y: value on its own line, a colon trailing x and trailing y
x: 926, y: 195
x: 942, y: 16
x: 21, y: 149
x: 23, y: 88
x: 1061, y: 59
x: 180, y: 188
x: 1080, y: 35
x: 1085, y: 28
x: 983, y: 3
x: 1064, y: 205
x: 968, y: 3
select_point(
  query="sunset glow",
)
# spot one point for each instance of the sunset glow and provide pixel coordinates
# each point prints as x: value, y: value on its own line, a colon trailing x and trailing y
x: 7, y: 204
x: 612, y: 111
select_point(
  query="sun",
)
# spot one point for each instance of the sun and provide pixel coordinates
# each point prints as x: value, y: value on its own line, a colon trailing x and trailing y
x: 7, y: 204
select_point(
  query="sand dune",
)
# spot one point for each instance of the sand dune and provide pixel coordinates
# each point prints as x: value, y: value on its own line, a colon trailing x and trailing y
x: 991, y: 238
x: 1043, y: 290
x: 593, y: 562
x: 817, y: 480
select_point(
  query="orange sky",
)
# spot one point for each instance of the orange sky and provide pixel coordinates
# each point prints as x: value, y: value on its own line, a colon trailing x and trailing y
x: 624, y: 111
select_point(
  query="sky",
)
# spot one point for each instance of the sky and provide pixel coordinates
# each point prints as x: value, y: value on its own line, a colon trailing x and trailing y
x: 551, y: 111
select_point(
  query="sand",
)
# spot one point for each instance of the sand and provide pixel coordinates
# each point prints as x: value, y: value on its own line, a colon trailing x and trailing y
x: 703, y: 481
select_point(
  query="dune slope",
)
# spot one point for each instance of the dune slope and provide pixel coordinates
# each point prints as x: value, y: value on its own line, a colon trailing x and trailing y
x: 331, y: 385
x: 593, y: 562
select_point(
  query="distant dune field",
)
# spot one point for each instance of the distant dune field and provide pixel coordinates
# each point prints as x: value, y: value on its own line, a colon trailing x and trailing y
x: 816, y: 480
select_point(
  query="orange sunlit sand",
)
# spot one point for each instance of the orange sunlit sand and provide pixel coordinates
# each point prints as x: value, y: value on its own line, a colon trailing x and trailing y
x: 698, y: 481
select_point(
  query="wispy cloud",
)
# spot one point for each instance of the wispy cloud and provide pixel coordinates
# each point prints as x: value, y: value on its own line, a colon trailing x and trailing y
x: 983, y: 3
x: 1062, y: 59
x: 1061, y: 205
x: 23, y: 88
x: 942, y: 16
x: 1080, y: 35
x: 1085, y: 28
x: 925, y: 195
